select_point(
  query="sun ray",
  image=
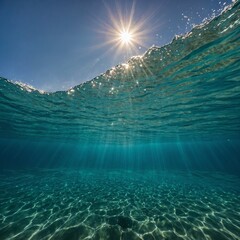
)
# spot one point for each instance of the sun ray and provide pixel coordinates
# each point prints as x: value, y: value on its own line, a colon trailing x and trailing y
x: 125, y: 32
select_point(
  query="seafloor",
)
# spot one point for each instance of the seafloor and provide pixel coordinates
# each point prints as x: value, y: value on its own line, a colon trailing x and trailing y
x: 86, y: 204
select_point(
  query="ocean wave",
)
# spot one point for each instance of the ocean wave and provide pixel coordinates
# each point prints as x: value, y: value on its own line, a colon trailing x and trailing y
x: 186, y: 89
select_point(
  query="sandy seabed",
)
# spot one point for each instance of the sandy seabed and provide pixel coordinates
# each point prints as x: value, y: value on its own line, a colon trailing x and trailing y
x: 118, y: 204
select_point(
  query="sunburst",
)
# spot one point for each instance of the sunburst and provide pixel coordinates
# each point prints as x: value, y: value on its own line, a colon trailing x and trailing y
x: 124, y: 32
x: 126, y: 37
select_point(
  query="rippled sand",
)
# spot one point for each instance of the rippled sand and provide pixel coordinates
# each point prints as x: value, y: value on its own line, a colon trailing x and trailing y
x: 66, y: 204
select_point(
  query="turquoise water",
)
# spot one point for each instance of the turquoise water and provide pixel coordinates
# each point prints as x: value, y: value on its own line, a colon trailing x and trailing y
x: 148, y: 150
x: 113, y: 204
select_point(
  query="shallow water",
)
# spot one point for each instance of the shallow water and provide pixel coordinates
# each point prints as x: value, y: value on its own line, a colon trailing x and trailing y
x: 95, y: 204
x: 186, y: 90
x: 148, y: 150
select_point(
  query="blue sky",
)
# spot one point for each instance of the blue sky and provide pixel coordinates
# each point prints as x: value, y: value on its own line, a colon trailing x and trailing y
x: 56, y: 44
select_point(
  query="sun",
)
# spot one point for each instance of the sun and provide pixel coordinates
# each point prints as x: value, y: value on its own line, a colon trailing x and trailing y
x: 126, y: 37
x: 125, y: 32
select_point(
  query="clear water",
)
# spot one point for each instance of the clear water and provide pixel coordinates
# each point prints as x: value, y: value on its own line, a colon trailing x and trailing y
x: 60, y: 204
x: 148, y: 150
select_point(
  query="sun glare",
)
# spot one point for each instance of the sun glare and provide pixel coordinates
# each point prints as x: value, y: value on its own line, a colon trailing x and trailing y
x: 126, y: 37
x: 126, y: 33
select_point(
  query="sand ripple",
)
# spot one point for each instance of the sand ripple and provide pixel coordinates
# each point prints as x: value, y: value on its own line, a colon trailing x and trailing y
x: 66, y: 204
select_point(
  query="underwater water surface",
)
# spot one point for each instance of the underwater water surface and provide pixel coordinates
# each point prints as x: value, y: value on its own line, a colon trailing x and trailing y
x: 148, y: 150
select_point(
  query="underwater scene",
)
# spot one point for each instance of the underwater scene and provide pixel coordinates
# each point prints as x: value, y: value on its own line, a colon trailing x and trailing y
x: 149, y: 150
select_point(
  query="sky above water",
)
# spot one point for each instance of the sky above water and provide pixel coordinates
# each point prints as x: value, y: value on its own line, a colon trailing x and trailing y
x: 54, y: 45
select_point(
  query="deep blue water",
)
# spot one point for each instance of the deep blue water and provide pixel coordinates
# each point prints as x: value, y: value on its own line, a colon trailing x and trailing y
x: 148, y: 150
x: 187, y: 156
